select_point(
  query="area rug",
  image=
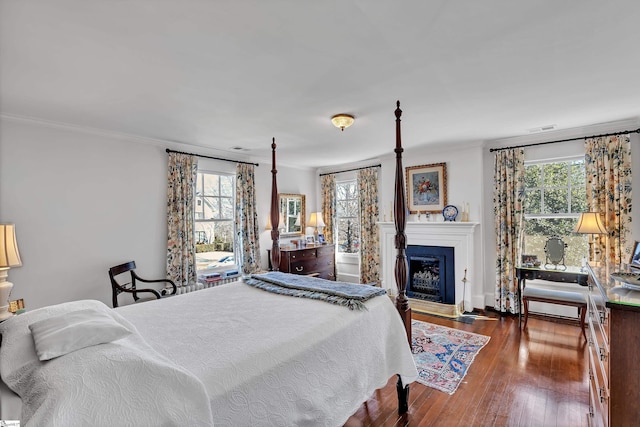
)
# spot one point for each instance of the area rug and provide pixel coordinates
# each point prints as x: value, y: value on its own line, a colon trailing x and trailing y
x: 443, y: 355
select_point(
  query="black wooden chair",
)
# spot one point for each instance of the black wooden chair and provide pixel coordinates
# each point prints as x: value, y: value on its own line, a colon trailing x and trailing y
x: 130, y: 287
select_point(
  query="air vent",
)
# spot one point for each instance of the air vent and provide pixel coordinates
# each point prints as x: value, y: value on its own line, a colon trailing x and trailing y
x: 545, y: 128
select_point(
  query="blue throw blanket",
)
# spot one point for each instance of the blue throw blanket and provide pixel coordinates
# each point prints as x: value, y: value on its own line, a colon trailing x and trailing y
x: 349, y: 295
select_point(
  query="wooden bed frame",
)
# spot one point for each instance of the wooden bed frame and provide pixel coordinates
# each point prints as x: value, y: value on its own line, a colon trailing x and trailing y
x: 400, y: 219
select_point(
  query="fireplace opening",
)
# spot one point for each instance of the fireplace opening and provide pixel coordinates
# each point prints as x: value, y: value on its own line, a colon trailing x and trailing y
x: 431, y: 273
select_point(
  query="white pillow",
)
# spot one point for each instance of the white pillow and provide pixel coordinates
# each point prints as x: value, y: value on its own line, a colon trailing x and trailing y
x: 64, y: 333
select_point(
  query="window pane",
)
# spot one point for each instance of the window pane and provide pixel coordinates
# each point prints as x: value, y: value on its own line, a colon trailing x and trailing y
x: 532, y: 176
x: 227, y: 208
x: 226, y: 186
x: 556, y: 174
x: 577, y: 174
x: 199, y: 184
x: 532, y: 202
x: 214, y: 245
x: 199, y: 210
x: 579, y: 199
x: 556, y: 200
x: 211, y: 187
x: 348, y: 235
x: 211, y: 208
x: 341, y: 208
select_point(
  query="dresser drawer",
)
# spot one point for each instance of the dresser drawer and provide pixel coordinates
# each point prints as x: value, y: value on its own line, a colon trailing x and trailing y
x: 598, y: 392
x: 302, y: 254
x: 318, y: 261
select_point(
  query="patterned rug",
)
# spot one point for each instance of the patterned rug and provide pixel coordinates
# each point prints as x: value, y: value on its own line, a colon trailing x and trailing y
x: 443, y: 355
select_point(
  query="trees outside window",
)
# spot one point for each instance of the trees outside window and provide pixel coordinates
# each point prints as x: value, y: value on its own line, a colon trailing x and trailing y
x: 555, y: 196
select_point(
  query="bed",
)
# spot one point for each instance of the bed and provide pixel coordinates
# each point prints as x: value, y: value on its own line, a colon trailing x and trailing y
x: 233, y: 355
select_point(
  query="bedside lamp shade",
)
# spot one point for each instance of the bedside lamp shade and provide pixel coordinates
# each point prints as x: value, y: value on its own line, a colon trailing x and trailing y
x: 9, y: 257
x: 315, y: 220
x: 590, y: 223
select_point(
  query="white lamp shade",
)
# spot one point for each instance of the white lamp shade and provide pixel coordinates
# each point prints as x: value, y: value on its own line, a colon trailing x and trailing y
x: 280, y: 222
x: 315, y: 220
x: 9, y: 255
x: 590, y: 223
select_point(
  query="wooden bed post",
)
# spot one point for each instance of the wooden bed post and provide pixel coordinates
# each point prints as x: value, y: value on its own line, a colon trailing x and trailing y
x: 400, y: 218
x: 400, y: 271
x: 275, y: 212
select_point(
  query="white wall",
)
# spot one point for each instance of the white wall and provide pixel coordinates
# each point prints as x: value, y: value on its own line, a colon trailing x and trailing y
x: 83, y: 201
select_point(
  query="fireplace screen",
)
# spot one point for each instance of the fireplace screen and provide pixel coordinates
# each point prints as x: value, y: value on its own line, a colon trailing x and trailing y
x: 431, y: 274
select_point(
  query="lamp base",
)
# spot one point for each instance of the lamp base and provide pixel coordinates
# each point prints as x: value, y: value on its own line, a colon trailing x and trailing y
x: 5, y: 291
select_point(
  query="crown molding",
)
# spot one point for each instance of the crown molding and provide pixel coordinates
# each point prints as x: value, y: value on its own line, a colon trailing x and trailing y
x: 160, y: 143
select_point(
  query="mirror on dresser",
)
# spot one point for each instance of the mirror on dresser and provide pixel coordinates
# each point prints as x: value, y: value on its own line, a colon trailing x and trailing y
x: 292, y: 210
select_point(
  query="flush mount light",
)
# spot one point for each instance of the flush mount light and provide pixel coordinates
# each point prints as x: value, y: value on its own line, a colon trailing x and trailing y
x: 342, y: 120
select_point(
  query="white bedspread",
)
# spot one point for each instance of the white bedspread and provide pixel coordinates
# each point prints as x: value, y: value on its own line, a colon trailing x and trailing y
x: 122, y: 383
x: 274, y: 360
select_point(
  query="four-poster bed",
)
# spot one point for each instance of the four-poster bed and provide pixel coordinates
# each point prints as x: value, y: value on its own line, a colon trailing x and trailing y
x: 229, y: 355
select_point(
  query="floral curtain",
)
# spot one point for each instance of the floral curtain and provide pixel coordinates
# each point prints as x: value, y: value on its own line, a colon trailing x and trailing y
x: 328, y: 190
x: 248, y: 241
x: 369, y: 234
x: 608, y: 169
x: 508, y: 212
x: 181, y: 247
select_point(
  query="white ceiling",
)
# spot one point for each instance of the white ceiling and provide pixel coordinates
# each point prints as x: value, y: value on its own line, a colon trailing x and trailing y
x: 235, y: 73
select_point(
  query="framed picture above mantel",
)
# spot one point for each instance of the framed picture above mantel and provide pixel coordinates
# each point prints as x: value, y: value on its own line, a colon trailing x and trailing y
x: 427, y: 188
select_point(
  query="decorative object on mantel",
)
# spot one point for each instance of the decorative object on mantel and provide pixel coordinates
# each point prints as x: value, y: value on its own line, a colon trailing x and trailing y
x: 342, y: 121
x: 450, y: 213
x: 443, y: 355
x: 465, y: 212
x: 9, y: 257
x: 427, y: 188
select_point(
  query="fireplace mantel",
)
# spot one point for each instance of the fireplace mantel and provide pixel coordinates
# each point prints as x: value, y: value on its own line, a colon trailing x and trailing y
x: 458, y: 235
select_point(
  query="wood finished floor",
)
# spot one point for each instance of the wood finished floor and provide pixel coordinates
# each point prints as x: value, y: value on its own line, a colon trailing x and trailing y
x: 535, y: 378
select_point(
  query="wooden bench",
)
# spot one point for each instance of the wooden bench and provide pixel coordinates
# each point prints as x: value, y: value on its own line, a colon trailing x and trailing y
x: 550, y: 296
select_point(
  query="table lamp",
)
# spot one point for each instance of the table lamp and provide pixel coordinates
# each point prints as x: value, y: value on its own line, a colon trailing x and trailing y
x: 9, y: 257
x: 590, y: 223
x: 315, y: 220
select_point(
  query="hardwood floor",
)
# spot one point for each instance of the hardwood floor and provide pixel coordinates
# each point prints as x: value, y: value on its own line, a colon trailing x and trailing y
x: 538, y: 377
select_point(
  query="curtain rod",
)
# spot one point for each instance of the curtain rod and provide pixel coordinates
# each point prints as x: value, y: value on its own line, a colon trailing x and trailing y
x: 351, y: 170
x: 491, y: 150
x: 210, y: 157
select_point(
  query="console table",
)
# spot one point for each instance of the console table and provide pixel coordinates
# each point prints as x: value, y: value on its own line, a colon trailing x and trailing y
x: 571, y: 275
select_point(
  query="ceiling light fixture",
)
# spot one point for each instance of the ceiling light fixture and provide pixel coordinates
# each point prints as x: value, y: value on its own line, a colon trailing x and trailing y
x: 342, y: 121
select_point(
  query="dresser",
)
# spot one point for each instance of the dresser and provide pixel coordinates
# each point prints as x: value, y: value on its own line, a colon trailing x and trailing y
x: 318, y: 261
x: 614, y: 350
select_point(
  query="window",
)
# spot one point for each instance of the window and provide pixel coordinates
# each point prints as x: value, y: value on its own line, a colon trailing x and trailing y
x: 214, y: 222
x: 348, y: 216
x: 555, y: 195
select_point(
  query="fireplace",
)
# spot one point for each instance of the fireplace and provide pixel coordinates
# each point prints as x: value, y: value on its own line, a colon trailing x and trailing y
x: 431, y: 273
x: 456, y: 235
